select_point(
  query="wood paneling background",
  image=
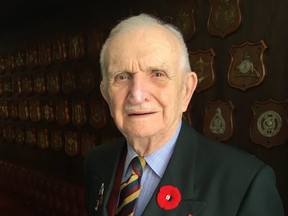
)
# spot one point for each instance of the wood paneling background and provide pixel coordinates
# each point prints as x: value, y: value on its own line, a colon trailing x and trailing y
x: 30, y: 26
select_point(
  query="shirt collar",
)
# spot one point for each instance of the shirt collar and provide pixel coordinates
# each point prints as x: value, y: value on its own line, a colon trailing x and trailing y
x: 157, y: 160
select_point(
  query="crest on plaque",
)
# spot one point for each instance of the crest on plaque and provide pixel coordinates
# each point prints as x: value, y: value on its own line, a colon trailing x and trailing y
x: 62, y: 113
x: 246, y: 68
x: 35, y: 110
x: 202, y: 63
x: 224, y: 17
x: 43, y: 138
x: 71, y: 143
x: 218, y: 120
x: 78, y: 113
x: 98, y: 114
x: 57, y: 141
x: 53, y: 82
x: 269, y: 125
x: 182, y: 16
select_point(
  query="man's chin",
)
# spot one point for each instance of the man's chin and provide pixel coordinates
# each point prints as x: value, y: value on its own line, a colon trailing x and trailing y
x: 139, y: 132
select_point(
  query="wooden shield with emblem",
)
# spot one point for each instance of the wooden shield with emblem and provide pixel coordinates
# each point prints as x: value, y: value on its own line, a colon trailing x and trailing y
x: 202, y: 62
x: 56, y: 140
x: 218, y: 120
x: 269, y: 125
x: 43, y: 138
x: 182, y: 16
x: 78, y: 112
x: 224, y: 17
x: 246, y: 68
x: 71, y: 143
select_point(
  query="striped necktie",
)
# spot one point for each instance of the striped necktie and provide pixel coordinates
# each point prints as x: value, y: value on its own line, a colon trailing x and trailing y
x: 130, y: 189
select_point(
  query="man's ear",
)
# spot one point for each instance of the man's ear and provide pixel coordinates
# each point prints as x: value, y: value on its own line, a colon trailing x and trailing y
x: 190, y: 83
x: 103, y: 90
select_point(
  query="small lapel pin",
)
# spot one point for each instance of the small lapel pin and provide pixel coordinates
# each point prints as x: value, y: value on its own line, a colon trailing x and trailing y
x: 100, y: 197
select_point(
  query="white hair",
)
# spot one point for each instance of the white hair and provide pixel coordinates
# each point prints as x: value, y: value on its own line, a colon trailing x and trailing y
x: 145, y: 20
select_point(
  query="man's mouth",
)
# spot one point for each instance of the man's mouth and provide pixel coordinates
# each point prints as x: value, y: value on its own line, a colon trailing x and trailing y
x: 140, y: 113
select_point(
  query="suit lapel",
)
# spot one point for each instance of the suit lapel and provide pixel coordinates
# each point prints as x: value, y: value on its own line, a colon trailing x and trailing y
x: 104, y: 177
x: 180, y: 173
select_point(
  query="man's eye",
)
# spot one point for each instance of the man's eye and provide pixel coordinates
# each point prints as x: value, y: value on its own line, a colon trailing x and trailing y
x: 122, y: 77
x: 159, y: 74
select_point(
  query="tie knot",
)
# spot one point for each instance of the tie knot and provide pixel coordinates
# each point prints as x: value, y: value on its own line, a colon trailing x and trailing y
x: 138, y: 165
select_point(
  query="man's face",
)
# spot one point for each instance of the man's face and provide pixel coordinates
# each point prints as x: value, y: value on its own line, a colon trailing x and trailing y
x: 144, y: 87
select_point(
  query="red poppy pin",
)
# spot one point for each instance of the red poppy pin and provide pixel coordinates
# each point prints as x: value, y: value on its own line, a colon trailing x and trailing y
x: 168, y: 197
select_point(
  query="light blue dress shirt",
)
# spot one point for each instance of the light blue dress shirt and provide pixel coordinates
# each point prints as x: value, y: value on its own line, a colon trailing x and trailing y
x: 156, y: 164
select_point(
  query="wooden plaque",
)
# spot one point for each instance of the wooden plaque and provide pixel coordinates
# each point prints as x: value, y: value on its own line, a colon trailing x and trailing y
x: 269, y: 125
x: 79, y: 113
x: 202, y: 62
x: 218, y: 120
x: 71, y: 143
x: 246, y: 69
x: 224, y: 17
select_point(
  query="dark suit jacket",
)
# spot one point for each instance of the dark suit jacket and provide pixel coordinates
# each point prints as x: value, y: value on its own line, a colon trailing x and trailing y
x: 213, y: 179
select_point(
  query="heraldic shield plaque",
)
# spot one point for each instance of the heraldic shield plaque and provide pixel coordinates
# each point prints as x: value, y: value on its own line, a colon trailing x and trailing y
x: 269, y: 125
x: 182, y: 16
x: 246, y: 68
x: 202, y: 63
x: 224, y: 17
x: 218, y: 120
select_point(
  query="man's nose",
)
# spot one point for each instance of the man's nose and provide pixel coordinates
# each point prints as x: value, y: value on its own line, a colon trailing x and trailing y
x: 138, y: 90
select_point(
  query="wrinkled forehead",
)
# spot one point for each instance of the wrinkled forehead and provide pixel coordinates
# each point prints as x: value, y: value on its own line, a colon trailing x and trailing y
x: 142, y: 41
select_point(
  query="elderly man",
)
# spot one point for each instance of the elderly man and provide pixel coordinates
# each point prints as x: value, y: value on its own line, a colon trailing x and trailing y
x: 162, y: 166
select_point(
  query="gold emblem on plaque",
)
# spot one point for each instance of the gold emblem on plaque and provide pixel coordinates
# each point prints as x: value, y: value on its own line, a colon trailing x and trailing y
x: 53, y: 82
x: 62, y: 112
x: 71, y: 143
x: 14, y: 113
x: 16, y: 85
x: 40, y: 83
x: 20, y: 60
x: 87, y: 80
x: 68, y: 81
x: 9, y: 63
x: 27, y: 84
x: 79, y: 117
x: 182, y: 16
x: 246, y: 68
x: 30, y: 136
x: 19, y: 135
x: 35, y: 110
x: 59, y: 50
x: 2, y: 64
x: 4, y: 113
x: 269, y: 125
x: 48, y: 111
x: 98, y: 114
x: 7, y: 86
x: 4, y: 132
x: 202, y: 62
x: 43, y: 138
x: 23, y: 110
x: 9, y: 133
x: 224, y: 17
x: 56, y: 140
x: 76, y: 46
x: 218, y: 120
x: 32, y: 57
